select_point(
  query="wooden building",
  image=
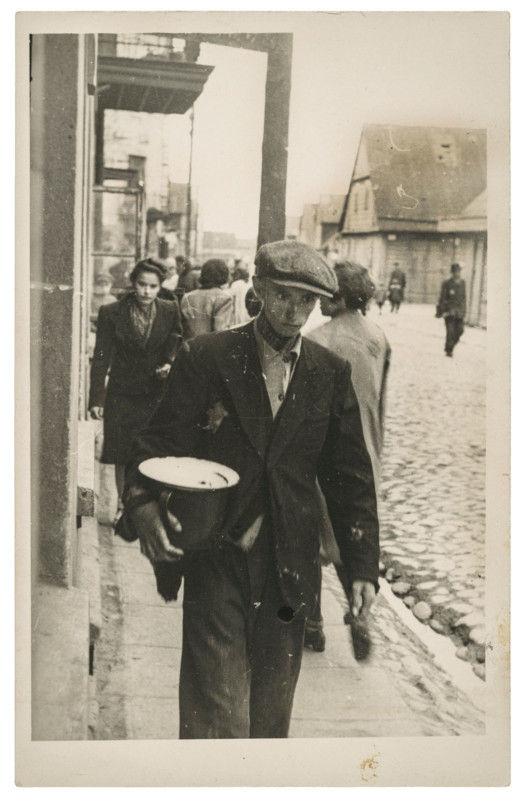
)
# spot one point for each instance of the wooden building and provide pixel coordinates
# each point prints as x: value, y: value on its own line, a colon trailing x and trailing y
x: 320, y: 221
x: 417, y: 197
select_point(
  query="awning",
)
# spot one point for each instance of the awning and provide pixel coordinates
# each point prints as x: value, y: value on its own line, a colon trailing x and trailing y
x: 155, y: 86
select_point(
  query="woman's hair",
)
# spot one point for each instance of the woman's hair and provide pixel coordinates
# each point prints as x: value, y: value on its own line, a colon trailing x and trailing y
x: 355, y: 286
x: 214, y: 273
x: 149, y: 265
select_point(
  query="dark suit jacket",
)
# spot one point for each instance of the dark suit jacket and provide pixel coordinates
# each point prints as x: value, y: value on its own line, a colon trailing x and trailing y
x: 317, y: 433
x: 452, y: 298
x: 132, y: 363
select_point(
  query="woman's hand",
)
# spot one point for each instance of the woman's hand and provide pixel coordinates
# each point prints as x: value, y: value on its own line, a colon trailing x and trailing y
x: 163, y: 371
x: 154, y: 542
x: 97, y: 412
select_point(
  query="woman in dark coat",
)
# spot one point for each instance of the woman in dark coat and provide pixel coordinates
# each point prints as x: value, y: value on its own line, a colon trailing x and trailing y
x: 136, y: 342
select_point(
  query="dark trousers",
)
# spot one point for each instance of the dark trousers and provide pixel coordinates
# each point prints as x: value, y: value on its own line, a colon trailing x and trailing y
x: 454, y: 330
x: 240, y: 660
x: 315, y: 620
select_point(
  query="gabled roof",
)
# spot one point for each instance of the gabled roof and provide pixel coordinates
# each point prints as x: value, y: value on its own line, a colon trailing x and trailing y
x: 421, y: 174
x: 471, y: 218
x: 330, y: 207
x: 478, y: 207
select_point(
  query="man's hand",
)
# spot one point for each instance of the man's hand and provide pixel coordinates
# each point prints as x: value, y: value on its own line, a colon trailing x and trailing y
x: 154, y: 541
x: 97, y: 412
x: 362, y: 598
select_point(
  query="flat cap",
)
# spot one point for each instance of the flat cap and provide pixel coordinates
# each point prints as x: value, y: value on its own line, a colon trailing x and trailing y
x: 291, y: 263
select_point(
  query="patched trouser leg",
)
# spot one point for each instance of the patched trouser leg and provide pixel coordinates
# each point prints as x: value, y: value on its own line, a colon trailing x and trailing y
x: 276, y: 657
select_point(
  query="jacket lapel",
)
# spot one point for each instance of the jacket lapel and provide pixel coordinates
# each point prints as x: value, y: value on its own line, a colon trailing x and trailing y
x: 239, y: 367
x: 306, y: 385
x: 123, y: 323
x: 158, y: 328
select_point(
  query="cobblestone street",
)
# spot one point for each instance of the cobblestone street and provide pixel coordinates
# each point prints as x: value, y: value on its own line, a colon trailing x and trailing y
x: 433, y: 482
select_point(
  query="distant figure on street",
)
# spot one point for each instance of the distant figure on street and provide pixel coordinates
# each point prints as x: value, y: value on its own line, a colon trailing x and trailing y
x: 238, y: 291
x: 361, y: 342
x: 452, y: 306
x: 210, y: 308
x: 187, y: 276
x: 167, y: 290
x: 380, y: 296
x: 396, y: 287
x: 137, y: 339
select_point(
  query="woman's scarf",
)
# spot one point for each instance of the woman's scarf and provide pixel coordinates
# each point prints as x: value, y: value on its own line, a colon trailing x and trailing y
x: 142, y: 320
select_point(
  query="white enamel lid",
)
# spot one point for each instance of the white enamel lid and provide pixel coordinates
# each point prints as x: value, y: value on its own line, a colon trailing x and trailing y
x: 196, y: 474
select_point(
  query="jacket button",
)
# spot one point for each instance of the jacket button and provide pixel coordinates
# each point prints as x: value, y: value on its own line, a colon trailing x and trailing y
x: 281, y: 397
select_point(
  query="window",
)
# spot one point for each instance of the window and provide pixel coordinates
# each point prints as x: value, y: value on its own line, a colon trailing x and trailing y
x: 445, y: 150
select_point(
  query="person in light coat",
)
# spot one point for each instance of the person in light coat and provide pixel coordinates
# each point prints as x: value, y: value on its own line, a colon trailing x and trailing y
x: 210, y: 308
x: 354, y: 337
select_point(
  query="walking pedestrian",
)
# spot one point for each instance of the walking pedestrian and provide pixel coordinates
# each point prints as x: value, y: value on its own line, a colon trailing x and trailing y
x: 380, y: 296
x: 238, y: 291
x: 187, y: 275
x: 137, y: 338
x: 210, y: 308
x: 170, y: 282
x: 396, y: 287
x: 452, y: 306
x: 352, y: 336
x: 288, y: 417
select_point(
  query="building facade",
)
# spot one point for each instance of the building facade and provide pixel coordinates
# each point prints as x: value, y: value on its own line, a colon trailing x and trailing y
x: 417, y: 197
x: 320, y: 221
x: 83, y: 212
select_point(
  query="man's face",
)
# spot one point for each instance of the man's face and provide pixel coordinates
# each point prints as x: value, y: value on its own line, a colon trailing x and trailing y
x: 287, y: 308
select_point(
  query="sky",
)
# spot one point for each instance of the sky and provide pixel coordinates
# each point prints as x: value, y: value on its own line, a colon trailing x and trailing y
x: 348, y: 70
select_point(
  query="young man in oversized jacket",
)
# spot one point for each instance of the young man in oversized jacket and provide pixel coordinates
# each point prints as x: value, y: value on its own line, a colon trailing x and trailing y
x: 281, y: 411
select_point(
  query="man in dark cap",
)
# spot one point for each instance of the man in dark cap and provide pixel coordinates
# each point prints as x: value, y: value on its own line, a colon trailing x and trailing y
x: 281, y: 411
x: 452, y: 306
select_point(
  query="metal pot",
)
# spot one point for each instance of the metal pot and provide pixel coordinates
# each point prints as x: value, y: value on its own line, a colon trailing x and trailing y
x: 195, y: 494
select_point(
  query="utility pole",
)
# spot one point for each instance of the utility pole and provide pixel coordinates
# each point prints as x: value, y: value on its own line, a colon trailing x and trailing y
x: 279, y: 49
x: 188, y: 195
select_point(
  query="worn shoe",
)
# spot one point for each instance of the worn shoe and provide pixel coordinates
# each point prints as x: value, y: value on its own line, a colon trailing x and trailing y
x: 315, y: 639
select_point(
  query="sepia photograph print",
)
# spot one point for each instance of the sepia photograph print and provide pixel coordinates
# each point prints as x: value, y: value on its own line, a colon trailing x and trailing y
x: 262, y: 399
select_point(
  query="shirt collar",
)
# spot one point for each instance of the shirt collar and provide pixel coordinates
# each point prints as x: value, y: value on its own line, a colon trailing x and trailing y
x: 266, y: 341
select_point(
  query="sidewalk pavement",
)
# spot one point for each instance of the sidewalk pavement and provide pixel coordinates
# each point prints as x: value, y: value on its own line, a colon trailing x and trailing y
x: 335, y: 697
